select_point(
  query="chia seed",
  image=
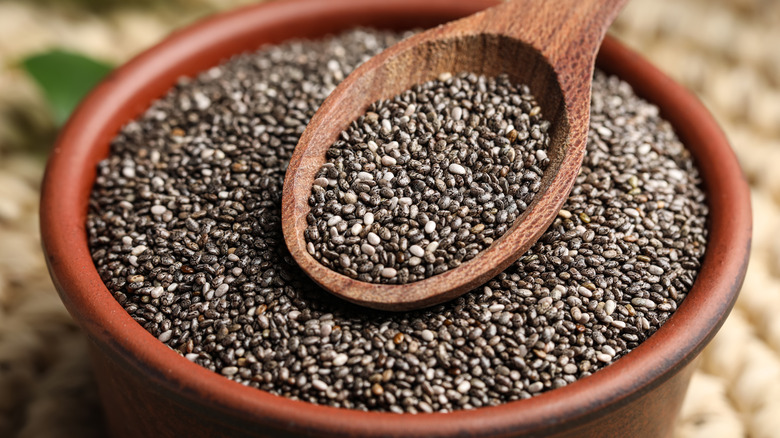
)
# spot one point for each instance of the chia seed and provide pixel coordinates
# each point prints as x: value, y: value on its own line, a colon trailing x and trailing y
x: 452, y: 161
x: 211, y: 278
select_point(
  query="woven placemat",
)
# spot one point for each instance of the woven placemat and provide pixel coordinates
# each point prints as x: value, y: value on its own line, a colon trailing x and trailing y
x: 724, y: 50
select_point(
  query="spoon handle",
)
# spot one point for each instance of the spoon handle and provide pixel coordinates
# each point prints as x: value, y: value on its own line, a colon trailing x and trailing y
x: 567, y: 32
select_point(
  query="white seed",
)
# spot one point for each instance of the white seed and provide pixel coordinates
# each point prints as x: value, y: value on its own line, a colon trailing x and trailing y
x: 221, y: 290
x: 676, y: 174
x: 457, y: 113
x: 604, y: 357
x: 464, y: 387
x: 340, y: 360
x: 457, y: 169
x: 609, y: 307
x: 388, y: 161
x: 157, y: 292
x: 416, y: 251
x: 368, y: 249
x: 389, y: 273
x: 229, y: 371
x: 158, y: 209
x: 643, y: 302
x: 165, y: 336
x: 350, y: 198
x: 619, y: 324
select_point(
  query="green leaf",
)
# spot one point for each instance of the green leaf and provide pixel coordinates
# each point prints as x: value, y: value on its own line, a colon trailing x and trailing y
x: 65, y: 79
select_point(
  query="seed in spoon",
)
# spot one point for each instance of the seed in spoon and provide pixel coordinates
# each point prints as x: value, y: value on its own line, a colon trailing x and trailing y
x: 447, y: 166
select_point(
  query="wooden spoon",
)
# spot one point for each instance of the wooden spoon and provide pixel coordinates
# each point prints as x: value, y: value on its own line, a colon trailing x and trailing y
x: 549, y: 45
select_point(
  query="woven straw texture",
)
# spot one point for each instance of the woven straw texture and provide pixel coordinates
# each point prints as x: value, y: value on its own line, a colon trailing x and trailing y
x: 724, y: 50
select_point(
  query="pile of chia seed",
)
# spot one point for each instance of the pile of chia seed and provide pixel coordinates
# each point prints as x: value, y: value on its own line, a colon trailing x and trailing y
x: 426, y: 180
x: 184, y: 228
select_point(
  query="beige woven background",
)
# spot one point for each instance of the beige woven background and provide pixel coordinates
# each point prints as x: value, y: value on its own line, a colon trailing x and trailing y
x: 727, y: 51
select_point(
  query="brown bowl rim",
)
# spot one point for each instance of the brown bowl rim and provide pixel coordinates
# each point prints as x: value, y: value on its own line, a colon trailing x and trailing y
x: 129, y: 90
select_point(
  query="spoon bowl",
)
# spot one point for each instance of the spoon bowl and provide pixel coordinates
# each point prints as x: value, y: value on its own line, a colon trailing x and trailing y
x: 550, y: 46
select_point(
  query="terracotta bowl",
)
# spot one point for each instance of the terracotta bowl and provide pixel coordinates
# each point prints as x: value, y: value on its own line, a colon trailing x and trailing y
x: 149, y: 390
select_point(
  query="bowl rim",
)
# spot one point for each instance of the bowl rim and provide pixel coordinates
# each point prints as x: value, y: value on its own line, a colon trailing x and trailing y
x: 70, y: 174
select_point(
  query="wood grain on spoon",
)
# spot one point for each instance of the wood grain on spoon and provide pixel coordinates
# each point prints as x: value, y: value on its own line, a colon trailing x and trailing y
x: 549, y: 45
